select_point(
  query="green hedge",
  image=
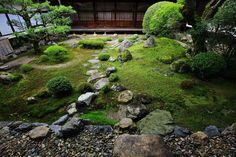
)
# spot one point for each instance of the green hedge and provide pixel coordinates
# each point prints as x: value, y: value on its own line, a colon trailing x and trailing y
x: 92, y: 43
x: 55, y: 54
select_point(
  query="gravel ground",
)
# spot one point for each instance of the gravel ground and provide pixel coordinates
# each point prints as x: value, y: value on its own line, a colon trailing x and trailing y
x: 86, y: 144
x: 219, y: 146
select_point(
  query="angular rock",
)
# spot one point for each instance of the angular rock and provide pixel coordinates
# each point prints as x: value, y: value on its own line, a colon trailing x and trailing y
x: 126, y: 123
x: 95, y: 77
x: 140, y: 146
x: 101, y: 129
x: 15, y: 124
x: 144, y: 98
x: 150, y: 42
x: 72, y: 127
x: 61, y: 120
x: 24, y: 127
x: 181, y: 132
x: 112, y: 59
x: 94, y: 61
x: 101, y: 83
x: 118, y: 88
x: 56, y: 129
x: 212, y: 131
x: 110, y: 70
x: 36, y: 124
x: 91, y: 72
x: 125, y: 96
x: 87, y: 98
x: 124, y: 45
x: 39, y: 132
x: 200, y: 137
x: 31, y: 100
x: 71, y: 109
x: 158, y: 122
x: 96, y: 66
x: 230, y: 130
x: 136, y: 111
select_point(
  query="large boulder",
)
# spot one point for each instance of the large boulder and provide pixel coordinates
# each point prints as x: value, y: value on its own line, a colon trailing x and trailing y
x: 125, y: 96
x: 212, y: 131
x: 101, y: 83
x: 39, y: 132
x: 87, y: 98
x: 124, y: 45
x: 136, y: 111
x: 158, y: 122
x: 72, y: 127
x: 140, y: 146
x: 150, y: 42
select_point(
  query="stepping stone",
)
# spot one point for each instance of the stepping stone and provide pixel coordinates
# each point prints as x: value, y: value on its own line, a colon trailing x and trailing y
x: 91, y: 72
x: 95, y: 55
x: 93, y: 61
x: 95, y: 76
x: 101, y: 83
x: 96, y: 66
x: 85, y: 65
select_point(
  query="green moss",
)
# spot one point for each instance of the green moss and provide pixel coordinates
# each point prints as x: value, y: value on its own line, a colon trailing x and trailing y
x: 103, y: 56
x: 98, y: 117
x: 92, y: 43
x: 26, y: 68
x: 113, y: 78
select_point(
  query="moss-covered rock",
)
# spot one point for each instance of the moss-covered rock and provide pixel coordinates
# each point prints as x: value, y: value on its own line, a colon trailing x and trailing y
x: 158, y: 122
x: 181, y: 65
x: 9, y: 78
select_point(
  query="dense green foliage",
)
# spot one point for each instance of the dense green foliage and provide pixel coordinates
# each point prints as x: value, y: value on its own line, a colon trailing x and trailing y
x: 162, y: 18
x: 26, y: 68
x: 92, y: 43
x: 53, y: 23
x: 113, y: 78
x: 55, y: 54
x: 85, y: 87
x: 208, y: 64
x: 59, y: 86
x: 120, y: 39
x: 103, y: 56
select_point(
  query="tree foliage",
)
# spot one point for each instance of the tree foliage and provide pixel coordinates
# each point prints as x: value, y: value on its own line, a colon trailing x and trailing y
x: 50, y: 20
x: 162, y: 18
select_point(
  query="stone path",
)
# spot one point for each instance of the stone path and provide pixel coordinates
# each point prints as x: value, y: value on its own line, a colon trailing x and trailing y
x: 19, y: 61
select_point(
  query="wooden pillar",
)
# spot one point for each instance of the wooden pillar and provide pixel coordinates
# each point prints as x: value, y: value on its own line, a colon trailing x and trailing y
x: 135, y: 14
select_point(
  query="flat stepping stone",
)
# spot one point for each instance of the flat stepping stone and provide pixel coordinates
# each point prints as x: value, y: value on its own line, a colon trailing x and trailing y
x: 91, y: 72
x: 96, y: 66
x: 101, y: 83
x: 85, y: 65
x: 95, y: 55
x: 93, y: 61
x: 95, y: 76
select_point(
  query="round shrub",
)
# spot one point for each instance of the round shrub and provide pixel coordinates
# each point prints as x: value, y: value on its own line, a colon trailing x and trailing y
x: 120, y: 40
x: 113, y: 78
x: 103, y: 56
x: 208, y: 64
x: 85, y: 87
x: 26, y: 68
x: 162, y: 18
x: 59, y: 86
x: 56, y: 54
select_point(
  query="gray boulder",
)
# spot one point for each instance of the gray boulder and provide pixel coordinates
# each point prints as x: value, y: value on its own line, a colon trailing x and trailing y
x: 101, y: 83
x: 230, y: 130
x: 181, y: 132
x: 95, y: 77
x: 72, y: 127
x: 158, y: 122
x: 125, y: 96
x: 71, y: 109
x: 24, y: 127
x: 150, y: 42
x: 61, y: 120
x: 212, y: 131
x: 118, y: 88
x: 87, y: 98
x: 140, y: 146
x: 136, y: 111
x: 56, y: 129
x: 124, y: 45
x: 110, y: 70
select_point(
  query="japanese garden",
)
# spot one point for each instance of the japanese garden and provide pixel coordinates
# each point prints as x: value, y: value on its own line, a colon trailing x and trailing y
x: 103, y: 78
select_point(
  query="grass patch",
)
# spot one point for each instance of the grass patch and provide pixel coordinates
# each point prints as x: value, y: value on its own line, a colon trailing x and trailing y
x: 99, y: 117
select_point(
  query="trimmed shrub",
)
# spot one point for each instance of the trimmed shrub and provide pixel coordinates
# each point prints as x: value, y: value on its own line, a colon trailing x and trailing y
x: 162, y: 18
x: 26, y: 68
x: 59, y: 86
x: 113, y: 78
x: 208, y: 64
x: 92, y: 43
x: 187, y: 84
x: 120, y: 39
x: 55, y: 54
x: 105, y: 39
x: 103, y: 56
x: 85, y: 87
